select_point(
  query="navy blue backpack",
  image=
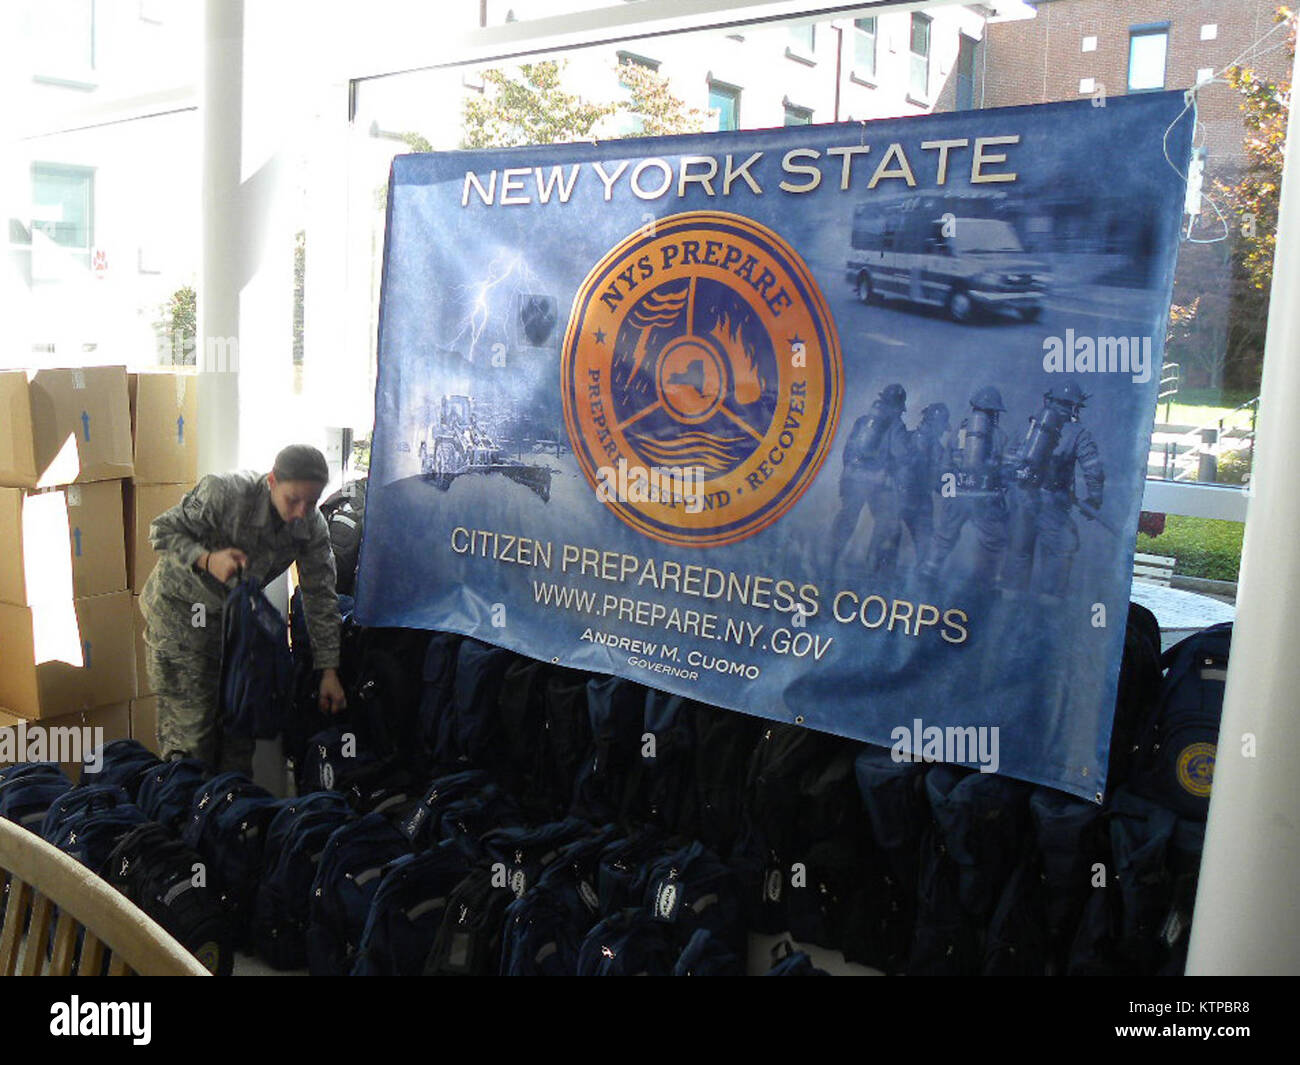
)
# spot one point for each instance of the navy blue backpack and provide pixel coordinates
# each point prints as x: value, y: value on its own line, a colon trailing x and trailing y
x: 295, y: 840
x: 423, y: 825
x: 1119, y: 928
x: 465, y: 821
x: 566, y: 739
x: 628, y: 943
x: 468, y: 942
x: 476, y: 690
x: 122, y: 762
x: 407, y: 911
x: 608, y: 787
x: 1067, y: 832
x: 625, y: 865
x: 545, y: 928
x: 351, y: 867
x: 522, y: 853
x: 28, y: 790
x: 157, y: 872
x: 90, y: 833
x: 691, y: 888
x: 1174, y: 763
x: 894, y: 797
x: 167, y: 791
x: 668, y: 794
x: 88, y: 798
x: 227, y: 826
x: 435, y: 743
x: 257, y: 676
x: 983, y: 820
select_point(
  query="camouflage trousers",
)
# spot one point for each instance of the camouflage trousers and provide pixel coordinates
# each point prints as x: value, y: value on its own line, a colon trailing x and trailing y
x: 187, y: 685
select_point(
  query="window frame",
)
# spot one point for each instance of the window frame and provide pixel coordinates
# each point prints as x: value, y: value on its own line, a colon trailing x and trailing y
x: 1136, y: 33
x: 859, y: 73
x: 725, y: 88
x: 56, y: 169
x: 919, y: 19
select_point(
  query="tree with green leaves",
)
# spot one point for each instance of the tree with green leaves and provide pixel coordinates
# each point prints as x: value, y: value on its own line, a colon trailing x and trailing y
x: 1232, y: 352
x: 534, y: 107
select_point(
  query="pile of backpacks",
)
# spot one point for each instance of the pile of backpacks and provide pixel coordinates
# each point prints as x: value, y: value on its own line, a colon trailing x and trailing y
x: 477, y: 812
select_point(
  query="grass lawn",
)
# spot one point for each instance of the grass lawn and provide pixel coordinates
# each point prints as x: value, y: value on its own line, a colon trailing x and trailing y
x: 1203, y: 547
x: 1205, y: 406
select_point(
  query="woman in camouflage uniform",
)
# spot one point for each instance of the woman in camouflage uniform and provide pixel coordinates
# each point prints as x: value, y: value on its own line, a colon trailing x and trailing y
x: 229, y: 524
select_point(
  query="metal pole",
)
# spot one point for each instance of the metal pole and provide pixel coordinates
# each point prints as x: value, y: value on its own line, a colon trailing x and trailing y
x: 1246, y: 919
x: 221, y: 113
x: 1208, y: 471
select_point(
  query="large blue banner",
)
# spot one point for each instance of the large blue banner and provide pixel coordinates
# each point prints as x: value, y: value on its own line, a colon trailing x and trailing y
x: 838, y: 425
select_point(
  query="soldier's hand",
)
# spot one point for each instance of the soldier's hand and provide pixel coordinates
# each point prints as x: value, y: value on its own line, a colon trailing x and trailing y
x: 331, y: 699
x: 226, y: 563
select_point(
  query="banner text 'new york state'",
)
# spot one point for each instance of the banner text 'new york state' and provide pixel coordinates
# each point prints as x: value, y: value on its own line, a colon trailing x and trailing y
x: 982, y: 160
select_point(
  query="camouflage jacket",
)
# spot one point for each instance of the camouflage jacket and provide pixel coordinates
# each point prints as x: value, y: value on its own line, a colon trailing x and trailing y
x: 235, y: 510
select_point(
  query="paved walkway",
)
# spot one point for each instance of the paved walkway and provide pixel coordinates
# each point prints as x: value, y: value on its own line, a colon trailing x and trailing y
x: 1180, y: 612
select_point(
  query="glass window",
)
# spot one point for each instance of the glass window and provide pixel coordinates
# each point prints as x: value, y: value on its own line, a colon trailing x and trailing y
x: 62, y: 207
x: 864, y: 47
x: 803, y: 39
x: 797, y: 116
x: 966, y: 52
x: 919, y: 83
x: 725, y: 100
x: 1146, y: 59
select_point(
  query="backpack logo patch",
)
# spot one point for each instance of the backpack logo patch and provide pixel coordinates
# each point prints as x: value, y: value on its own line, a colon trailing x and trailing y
x: 1196, y: 769
x: 666, y: 899
x: 773, y: 887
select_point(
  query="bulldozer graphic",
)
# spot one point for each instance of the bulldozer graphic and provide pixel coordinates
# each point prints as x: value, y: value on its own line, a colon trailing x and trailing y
x: 457, y: 444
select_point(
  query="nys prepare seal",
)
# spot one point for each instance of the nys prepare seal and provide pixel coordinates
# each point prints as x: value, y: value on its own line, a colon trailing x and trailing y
x: 1196, y: 769
x: 700, y: 346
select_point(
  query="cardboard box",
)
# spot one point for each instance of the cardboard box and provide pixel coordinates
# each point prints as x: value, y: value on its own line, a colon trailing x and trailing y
x: 64, y: 543
x: 143, y: 503
x: 164, y: 426
x: 143, y: 685
x: 17, y: 459
x: 144, y: 722
x: 61, y: 656
x: 81, y: 425
x: 68, y: 740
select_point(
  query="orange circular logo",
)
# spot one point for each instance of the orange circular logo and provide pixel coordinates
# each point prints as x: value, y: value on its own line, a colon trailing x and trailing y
x: 702, y: 378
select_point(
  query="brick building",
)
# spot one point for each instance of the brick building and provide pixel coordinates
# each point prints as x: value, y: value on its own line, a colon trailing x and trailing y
x: 1076, y: 48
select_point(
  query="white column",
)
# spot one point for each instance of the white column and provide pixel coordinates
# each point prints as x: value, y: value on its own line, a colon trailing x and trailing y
x: 1247, y: 919
x: 221, y: 112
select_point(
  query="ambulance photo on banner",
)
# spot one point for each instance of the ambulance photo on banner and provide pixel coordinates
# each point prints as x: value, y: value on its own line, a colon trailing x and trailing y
x: 841, y: 425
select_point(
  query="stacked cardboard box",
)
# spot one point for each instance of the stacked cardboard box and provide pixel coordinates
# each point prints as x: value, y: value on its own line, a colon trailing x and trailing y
x: 65, y: 609
x: 164, y: 434
x: 88, y: 458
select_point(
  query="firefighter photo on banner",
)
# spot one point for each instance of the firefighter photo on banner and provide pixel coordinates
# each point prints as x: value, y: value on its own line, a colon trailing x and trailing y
x: 842, y: 425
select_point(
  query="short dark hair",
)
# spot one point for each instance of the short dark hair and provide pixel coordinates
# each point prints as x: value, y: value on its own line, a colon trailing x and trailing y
x: 301, y: 462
